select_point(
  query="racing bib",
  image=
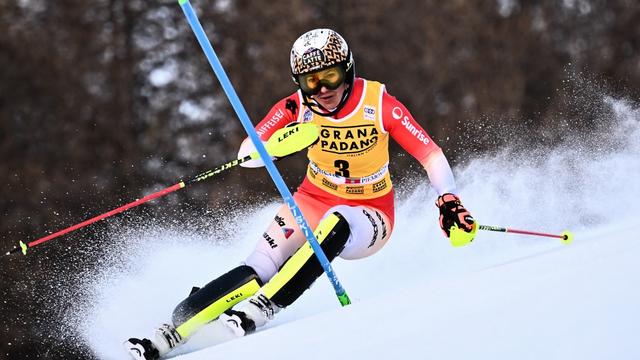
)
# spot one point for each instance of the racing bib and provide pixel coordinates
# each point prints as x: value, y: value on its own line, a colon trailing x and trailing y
x: 351, y: 157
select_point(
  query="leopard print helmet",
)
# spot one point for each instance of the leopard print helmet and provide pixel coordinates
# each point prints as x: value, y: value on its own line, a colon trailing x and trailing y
x: 319, y: 49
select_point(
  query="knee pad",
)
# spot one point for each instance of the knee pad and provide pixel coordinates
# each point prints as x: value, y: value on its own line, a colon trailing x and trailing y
x: 303, y: 268
x: 207, y: 303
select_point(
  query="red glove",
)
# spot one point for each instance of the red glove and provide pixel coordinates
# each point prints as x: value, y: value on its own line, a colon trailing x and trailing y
x: 453, y: 213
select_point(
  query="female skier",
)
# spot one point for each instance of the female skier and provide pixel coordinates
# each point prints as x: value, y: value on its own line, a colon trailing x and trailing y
x: 346, y: 196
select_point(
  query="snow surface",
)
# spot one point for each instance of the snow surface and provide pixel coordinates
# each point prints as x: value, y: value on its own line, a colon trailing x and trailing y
x: 503, y: 297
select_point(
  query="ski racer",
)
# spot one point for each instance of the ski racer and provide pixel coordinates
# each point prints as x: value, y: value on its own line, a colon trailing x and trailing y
x: 347, y: 195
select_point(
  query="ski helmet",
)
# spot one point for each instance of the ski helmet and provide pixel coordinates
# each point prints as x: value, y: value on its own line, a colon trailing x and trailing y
x: 317, y: 50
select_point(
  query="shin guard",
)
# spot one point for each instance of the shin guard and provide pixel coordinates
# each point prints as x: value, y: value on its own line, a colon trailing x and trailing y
x: 303, y: 268
x: 206, y: 304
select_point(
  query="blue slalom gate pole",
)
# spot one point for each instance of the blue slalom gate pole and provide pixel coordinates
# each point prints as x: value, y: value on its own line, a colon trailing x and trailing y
x: 271, y: 168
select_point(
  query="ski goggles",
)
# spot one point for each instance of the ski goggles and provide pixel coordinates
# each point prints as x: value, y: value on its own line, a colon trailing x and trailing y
x: 331, y: 78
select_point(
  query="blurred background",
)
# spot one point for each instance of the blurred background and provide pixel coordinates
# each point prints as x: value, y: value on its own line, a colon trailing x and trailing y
x: 104, y: 101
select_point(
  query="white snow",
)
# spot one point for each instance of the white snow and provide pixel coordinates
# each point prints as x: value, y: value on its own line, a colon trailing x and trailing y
x: 504, y: 296
x: 574, y: 303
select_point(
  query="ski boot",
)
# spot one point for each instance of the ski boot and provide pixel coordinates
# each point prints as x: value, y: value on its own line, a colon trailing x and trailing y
x: 166, y: 338
x: 246, y: 316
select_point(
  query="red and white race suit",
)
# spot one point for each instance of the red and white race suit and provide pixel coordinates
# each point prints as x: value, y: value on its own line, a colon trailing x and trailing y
x: 348, y: 171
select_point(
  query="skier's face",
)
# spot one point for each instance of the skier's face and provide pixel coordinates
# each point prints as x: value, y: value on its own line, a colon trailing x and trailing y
x: 330, y: 99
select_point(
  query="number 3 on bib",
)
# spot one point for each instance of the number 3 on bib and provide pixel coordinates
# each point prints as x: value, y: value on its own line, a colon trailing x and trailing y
x: 343, y: 168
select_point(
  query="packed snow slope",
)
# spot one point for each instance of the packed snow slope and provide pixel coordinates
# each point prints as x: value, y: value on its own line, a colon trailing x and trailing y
x: 504, y: 296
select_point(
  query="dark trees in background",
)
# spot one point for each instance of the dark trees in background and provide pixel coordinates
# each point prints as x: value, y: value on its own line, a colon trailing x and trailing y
x: 103, y: 101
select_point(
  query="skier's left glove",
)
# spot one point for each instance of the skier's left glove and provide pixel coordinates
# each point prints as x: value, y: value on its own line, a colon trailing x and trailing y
x: 454, y: 216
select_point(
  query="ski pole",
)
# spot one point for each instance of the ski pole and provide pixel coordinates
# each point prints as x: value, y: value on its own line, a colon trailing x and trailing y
x: 459, y: 237
x: 229, y: 90
x: 283, y: 142
x: 566, y: 236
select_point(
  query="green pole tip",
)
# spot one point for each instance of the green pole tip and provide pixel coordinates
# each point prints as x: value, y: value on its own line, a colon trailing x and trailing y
x: 182, y: 2
x: 24, y: 247
x: 344, y: 299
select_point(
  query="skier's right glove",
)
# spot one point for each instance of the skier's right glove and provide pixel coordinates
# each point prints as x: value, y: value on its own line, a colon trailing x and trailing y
x: 454, y: 216
x: 289, y: 125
